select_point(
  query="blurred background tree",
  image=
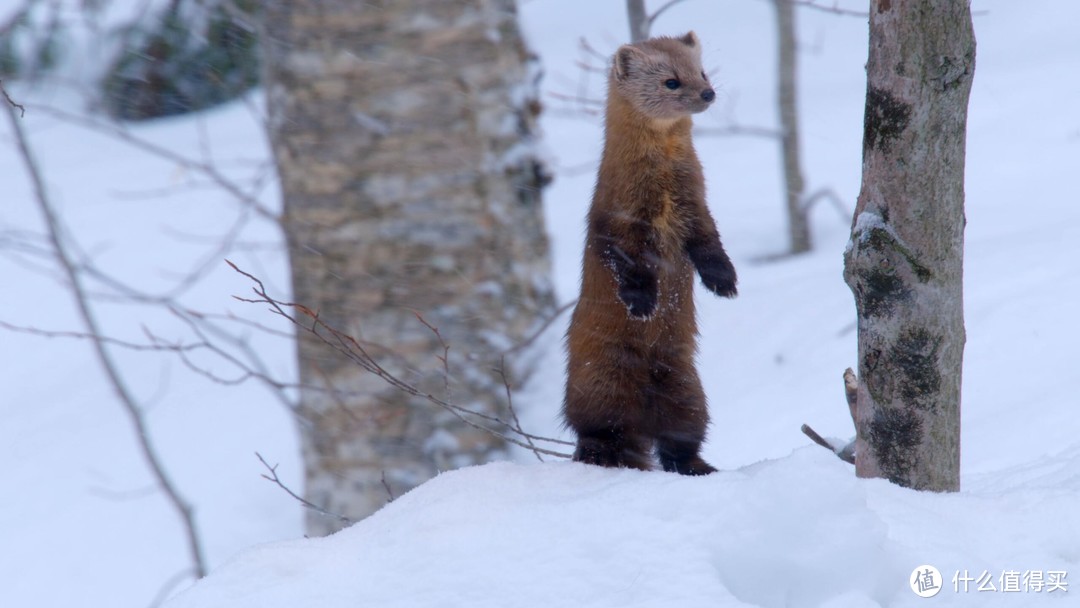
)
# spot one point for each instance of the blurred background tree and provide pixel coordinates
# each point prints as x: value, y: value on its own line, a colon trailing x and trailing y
x: 166, y: 59
x: 403, y: 133
x: 193, y: 55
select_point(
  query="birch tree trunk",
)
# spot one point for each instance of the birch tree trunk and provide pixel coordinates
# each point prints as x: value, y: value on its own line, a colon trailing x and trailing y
x: 904, y: 263
x: 794, y: 185
x: 403, y: 135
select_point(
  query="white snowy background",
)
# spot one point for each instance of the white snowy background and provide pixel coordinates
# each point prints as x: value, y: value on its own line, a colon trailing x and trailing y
x: 784, y: 523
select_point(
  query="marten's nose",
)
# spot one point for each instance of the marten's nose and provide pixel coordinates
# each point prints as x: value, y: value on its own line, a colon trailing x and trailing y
x: 708, y: 95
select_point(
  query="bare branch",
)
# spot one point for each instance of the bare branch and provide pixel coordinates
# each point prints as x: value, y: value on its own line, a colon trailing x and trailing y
x: 591, y: 51
x: 818, y: 439
x: 352, y: 349
x: 22, y: 108
x: 386, y: 486
x: 169, y: 586
x: 540, y: 330
x: 735, y: 130
x: 843, y: 452
x: 583, y: 101
x: 660, y: 11
x: 445, y: 358
x: 513, y: 413
x: 208, y: 170
x: 830, y: 195
x: 112, y: 372
x: 273, y: 477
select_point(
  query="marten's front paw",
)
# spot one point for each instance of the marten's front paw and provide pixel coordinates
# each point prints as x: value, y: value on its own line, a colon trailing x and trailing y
x: 719, y: 278
x: 638, y: 291
x: 640, y: 302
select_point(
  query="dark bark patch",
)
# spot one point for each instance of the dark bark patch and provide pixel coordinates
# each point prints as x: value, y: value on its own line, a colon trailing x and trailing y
x: 885, y: 119
x: 916, y: 358
x: 879, y: 291
x: 893, y: 435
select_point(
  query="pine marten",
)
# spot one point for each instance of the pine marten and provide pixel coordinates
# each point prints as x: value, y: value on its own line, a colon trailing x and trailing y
x: 632, y: 386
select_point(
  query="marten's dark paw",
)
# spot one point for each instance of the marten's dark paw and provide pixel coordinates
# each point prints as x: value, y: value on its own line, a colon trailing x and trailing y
x: 714, y: 266
x: 720, y: 278
x: 637, y: 290
x: 640, y: 301
x: 612, y: 454
x: 689, y: 466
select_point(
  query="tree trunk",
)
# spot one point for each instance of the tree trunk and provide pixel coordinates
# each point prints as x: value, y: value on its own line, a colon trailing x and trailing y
x: 639, y: 20
x: 403, y: 133
x: 904, y: 262
x: 798, y: 226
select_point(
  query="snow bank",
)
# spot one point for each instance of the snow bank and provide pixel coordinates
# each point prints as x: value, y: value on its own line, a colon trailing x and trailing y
x: 797, y: 531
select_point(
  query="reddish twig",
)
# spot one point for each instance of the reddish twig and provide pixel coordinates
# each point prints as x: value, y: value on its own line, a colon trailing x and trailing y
x: 350, y: 348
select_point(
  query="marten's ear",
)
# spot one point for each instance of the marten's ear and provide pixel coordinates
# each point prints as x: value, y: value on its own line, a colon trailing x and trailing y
x: 629, y: 59
x: 691, y: 41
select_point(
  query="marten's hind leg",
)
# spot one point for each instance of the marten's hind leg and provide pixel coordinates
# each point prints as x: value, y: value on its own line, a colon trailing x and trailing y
x: 604, y: 403
x: 681, y: 419
x: 613, y: 447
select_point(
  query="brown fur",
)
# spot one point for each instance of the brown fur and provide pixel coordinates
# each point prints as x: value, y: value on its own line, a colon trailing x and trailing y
x: 632, y: 385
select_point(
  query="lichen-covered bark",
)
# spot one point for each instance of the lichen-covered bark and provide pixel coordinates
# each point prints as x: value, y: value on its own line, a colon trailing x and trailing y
x: 403, y: 135
x: 904, y: 263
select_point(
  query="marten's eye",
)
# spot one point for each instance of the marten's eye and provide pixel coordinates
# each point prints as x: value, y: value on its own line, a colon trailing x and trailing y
x: 704, y: 77
x: 672, y: 83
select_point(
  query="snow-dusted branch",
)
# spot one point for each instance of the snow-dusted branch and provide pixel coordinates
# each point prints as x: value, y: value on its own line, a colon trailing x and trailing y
x: 843, y: 451
x: 135, y: 414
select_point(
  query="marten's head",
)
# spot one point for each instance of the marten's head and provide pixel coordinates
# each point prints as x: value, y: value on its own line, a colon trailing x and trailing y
x: 662, y: 77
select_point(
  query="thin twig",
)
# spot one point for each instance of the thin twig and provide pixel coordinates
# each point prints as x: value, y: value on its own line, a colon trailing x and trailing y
x: 540, y: 330
x: 386, y: 486
x: 445, y: 358
x: 169, y: 586
x: 739, y: 131
x: 135, y: 415
x: 653, y: 17
x: 510, y: 406
x: 273, y: 477
x: 210, y: 171
x: 830, y: 195
x: 22, y: 108
x: 349, y: 347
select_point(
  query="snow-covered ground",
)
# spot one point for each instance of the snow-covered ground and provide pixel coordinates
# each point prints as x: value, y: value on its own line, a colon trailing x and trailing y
x: 783, y: 524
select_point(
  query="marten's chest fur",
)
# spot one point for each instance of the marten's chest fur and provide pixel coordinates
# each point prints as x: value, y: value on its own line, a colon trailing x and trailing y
x: 653, y: 175
x: 648, y: 184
